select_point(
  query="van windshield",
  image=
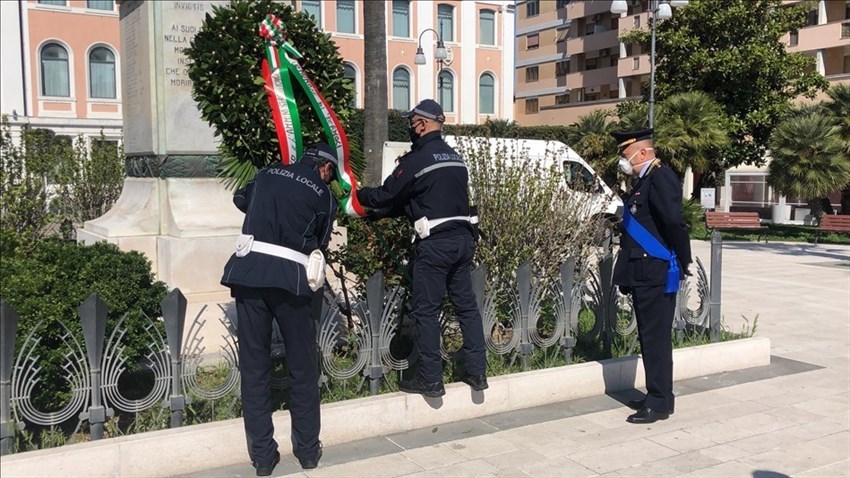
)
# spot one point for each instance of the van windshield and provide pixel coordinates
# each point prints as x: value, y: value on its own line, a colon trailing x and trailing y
x: 578, y: 177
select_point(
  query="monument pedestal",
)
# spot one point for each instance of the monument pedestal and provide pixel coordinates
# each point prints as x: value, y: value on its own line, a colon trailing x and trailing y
x: 187, y: 227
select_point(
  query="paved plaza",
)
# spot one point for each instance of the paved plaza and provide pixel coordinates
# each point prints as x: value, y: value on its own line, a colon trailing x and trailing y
x: 791, y: 418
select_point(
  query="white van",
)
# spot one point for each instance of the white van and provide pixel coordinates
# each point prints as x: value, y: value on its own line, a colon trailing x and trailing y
x: 602, y: 202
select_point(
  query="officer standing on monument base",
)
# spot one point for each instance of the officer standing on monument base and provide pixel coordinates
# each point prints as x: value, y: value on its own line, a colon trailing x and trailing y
x: 430, y: 186
x: 655, y: 252
x: 278, y: 266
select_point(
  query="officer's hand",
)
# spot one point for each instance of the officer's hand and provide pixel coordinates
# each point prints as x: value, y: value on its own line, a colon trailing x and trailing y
x: 375, y: 214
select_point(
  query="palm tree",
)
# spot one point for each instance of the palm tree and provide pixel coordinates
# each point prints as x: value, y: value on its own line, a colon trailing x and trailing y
x: 838, y: 106
x: 375, y: 99
x: 591, y: 138
x: 810, y: 160
x: 691, y: 131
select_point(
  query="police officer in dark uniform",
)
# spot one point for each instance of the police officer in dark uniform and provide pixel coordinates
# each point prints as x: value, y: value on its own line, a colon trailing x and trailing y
x: 430, y: 186
x: 654, y: 205
x: 289, y: 213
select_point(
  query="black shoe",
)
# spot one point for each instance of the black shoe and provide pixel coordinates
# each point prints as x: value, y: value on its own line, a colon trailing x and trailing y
x: 647, y: 415
x: 432, y: 389
x: 310, y: 464
x: 266, y: 470
x: 636, y: 404
x: 477, y: 382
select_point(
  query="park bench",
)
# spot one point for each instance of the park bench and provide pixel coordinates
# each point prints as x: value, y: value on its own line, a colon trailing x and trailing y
x: 832, y: 223
x: 734, y: 221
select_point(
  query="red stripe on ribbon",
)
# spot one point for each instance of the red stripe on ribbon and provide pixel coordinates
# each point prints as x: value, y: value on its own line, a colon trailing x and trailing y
x: 278, y: 120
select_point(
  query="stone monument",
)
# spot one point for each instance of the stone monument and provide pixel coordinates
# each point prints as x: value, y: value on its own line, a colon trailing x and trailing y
x: 172, y: 207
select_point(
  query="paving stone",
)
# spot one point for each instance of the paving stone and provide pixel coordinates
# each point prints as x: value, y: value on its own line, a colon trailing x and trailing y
x: 681, y: 441
x: 433, y: 456
x: 481, y: 447
x: 616, y: 457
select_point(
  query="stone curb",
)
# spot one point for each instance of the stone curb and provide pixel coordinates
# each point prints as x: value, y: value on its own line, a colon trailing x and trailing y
x: 212, y: 445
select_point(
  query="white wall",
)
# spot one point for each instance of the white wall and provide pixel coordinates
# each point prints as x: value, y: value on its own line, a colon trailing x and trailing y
x: 11, y: 79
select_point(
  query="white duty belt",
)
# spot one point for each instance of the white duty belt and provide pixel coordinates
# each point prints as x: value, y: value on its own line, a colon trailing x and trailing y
x: 314, y: 264
x: 423, y: 225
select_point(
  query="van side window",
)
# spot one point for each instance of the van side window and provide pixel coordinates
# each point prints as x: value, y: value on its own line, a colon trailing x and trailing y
x: 578, y: 177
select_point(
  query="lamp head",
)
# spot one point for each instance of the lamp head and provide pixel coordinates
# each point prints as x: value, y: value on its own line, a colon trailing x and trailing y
x: 619, y: 6
x: 419, y: 59
x: 664, y: 11
x: 440, y: 53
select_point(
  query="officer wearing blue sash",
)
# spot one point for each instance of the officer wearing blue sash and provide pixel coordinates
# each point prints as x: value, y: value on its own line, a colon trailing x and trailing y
x: 430, y: 187
x: 654, y: 255
x: 289, y: 214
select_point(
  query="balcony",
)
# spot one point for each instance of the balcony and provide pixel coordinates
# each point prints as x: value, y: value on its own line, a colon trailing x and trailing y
x: 626, y: 66
x: 585, y: 79
x: 819, y: 37
x: 597, y: 41
x: 588, y: 7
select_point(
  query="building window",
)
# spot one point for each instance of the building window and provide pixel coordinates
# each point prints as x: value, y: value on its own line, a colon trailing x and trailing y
x: 563, y: 3
x: 637, y: 21
x: 486, y: 94
x: 845, y: 30
x: 794, y: 39
x: 532, y: 41
x: 532, y: 74
x: 532, y: 8
x: 345, y: 16
x: 446, y: 91
x: 531, y: 106
x: 314, y: 9
x: 487, y: 27
x: 401, y: 18
x: 55, y: 80
x: 445, y: 22
x: 812, y: 18
x: 102, y: 73
x: 562, y: 68
x: 591, y: 64
x: 847, y: 10
x: 562, y: 99
x: 100, y: 5
x: 636, y: 64
x: 349, y: 73
x: 58, y: 3
x: 401, y: 89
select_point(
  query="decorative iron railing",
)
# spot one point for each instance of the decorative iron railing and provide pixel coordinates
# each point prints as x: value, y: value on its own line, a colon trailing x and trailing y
x: 580, y: 305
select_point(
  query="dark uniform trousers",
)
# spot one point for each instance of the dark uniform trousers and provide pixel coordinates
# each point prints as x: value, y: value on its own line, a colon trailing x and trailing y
x: 256, y: 308
x: 446, y: 262
x: 654, y: 311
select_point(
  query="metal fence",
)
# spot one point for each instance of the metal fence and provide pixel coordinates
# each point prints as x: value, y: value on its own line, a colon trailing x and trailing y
x: 581, y: 305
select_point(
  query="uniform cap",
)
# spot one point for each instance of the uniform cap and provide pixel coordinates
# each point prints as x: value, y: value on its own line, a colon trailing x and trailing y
x: 321, y: 151
x: 427, y: 109
x: 626, y: 138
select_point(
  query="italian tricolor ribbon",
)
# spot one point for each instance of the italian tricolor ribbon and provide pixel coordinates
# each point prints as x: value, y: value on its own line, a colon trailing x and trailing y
x: 280, y: 68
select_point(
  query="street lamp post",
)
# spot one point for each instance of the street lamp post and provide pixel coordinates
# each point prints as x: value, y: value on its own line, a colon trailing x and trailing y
x: 440, y: 54
x: 661, y: 10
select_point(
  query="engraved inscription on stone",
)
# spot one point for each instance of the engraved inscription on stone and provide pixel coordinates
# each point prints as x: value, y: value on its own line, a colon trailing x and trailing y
x: 185, y: 131
x: 135, y: 82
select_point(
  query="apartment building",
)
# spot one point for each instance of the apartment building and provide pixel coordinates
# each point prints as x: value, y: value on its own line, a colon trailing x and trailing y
x: 570, y: 60
x: 474, y: 83
x: 60, y: 66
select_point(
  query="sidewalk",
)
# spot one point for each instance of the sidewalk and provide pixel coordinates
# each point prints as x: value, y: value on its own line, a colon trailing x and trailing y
x: 791, y: 418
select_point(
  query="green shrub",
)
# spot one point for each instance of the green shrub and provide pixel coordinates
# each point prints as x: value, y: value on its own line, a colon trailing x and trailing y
x: 50, y: 282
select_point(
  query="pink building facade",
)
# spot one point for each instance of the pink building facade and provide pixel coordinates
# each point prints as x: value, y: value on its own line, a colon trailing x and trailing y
x: 61, y: 65
x: 62, y: 59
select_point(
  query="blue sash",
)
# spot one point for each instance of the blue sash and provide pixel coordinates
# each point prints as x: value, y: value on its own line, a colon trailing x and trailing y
x: 654, y: 248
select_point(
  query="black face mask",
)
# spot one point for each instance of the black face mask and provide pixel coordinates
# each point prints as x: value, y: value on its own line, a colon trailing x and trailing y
x: 412, y: 131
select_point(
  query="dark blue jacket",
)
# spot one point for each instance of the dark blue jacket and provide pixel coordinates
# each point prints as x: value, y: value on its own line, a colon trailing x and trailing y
x: 431, y: 181
x: 656, y: 203
x: 287, y: 206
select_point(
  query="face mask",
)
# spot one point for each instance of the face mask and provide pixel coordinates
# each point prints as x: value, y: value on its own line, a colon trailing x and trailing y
x: 412, y: 131
x: 626, y: 164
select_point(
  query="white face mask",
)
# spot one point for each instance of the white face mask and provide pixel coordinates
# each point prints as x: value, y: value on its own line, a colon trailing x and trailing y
x: 626, y: 163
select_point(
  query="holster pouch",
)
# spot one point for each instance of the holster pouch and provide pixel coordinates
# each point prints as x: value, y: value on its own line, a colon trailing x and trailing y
x: 243, y: 244
x: 316, y: 270
x: 422, y: 228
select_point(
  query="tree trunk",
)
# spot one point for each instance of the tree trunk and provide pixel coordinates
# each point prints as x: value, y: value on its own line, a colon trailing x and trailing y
x: 375, y: 99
